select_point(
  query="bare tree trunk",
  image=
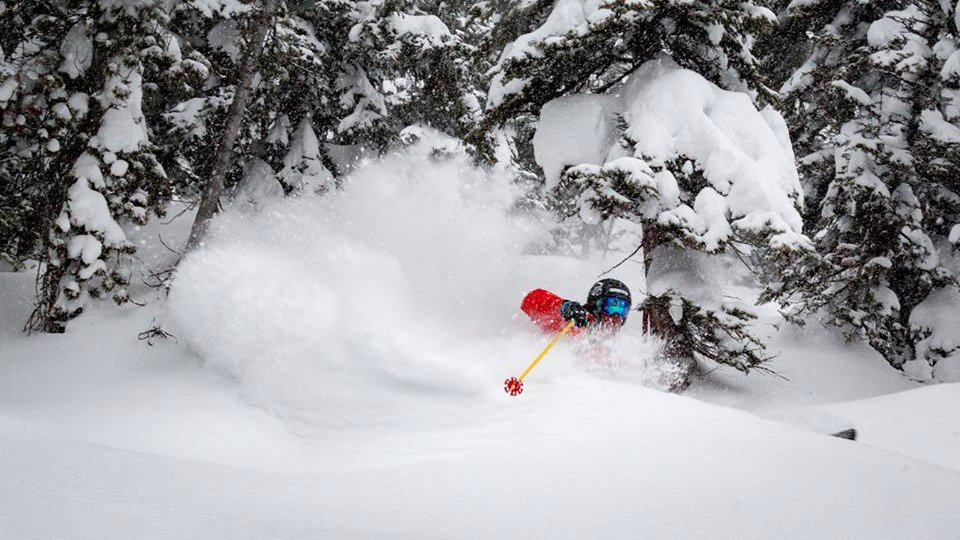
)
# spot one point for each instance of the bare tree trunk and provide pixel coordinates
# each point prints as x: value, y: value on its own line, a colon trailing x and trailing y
x: 223, y: 157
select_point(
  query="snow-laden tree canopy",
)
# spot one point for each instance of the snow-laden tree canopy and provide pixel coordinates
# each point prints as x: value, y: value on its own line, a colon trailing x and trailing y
x: 609, y: 38
x: 701, y: 168
x: 749, y: 180
x: 874, y: 110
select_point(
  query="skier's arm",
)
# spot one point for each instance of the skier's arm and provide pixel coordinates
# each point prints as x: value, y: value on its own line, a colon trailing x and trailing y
x: 574, y: 311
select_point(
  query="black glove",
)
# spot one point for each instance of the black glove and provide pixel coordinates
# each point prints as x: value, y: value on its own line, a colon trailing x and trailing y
x: 573, y: 311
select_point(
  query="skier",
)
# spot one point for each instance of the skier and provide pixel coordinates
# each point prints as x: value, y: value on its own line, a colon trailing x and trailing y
x: 607, y: 306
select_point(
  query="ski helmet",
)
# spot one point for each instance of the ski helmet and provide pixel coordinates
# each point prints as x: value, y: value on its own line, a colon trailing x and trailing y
x: 607, y: 288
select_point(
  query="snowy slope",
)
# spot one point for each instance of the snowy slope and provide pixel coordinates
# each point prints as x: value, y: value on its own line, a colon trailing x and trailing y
x: 813, y: 367
x: 141, y: 447
x: 579, y: 457
x: 892, y: 422
x: 336, y: 372
x: 128, y: 440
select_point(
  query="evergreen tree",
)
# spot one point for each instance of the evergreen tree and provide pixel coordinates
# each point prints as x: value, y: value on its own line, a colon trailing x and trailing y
x: 222, y: 160
x: 303, y: 169
x: 587, y: 47
x: 74, y: 96
x: 349, y: 73
x: 126, y: 102
x: 291, y: 82
x: 875, y: 111
x: 579, y: 47
x: 396, y: 65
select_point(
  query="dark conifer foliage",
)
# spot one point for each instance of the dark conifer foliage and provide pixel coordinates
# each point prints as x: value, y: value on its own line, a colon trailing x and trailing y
x: 874, y: 116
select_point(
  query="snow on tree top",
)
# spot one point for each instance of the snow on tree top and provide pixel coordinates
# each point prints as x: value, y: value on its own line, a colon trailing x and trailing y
x: 885, y: 31
x: 567, y: 16
x: 225, y: 8
x: 575, y: 129
x: 89, y: 210
x: 77, y: 51
x: 429, y: 27
x: 673, y: 113
x: 130, y: 6
x: 933, y: 123
x: 123, y: 128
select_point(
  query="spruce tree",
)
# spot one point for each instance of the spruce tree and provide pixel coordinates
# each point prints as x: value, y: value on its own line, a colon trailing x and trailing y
x: 584, y: 48
x: 336, y: 72
x: 397, y: 65
x: 290, y: 81
x: 303, y: 169
x: 76, y: 87
x: 250, y: 53
x: 874, y: 110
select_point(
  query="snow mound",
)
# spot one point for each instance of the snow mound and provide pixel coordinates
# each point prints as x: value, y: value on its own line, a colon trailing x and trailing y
x: 891, y: 422
x: 343, y: 310
x: 938, y: 351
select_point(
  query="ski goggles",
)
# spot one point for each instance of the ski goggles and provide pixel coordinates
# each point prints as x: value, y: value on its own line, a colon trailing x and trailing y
x: 614, y: 306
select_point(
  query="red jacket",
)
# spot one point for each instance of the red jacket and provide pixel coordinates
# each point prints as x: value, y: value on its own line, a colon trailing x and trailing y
x: 543, y: 308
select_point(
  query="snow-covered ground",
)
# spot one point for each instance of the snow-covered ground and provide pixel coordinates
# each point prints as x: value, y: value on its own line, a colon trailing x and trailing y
x: 336, y: 372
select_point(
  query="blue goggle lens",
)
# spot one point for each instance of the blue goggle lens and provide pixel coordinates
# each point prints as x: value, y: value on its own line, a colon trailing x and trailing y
x: 615, y: 306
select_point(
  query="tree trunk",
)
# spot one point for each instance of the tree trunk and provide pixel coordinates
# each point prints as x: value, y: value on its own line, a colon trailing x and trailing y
x: 223, y: 157
x: 44, y: 317
x: 678, y: 343
x: 656, y: 309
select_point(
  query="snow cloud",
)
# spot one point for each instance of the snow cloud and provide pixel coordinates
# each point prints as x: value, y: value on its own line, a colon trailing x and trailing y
x: 343, y: 310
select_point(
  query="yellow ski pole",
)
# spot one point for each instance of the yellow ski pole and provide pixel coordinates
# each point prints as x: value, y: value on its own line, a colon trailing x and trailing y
x: 514, y: 385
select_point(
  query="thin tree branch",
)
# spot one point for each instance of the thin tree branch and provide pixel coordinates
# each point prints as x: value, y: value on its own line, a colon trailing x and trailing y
x: 627, y: 258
